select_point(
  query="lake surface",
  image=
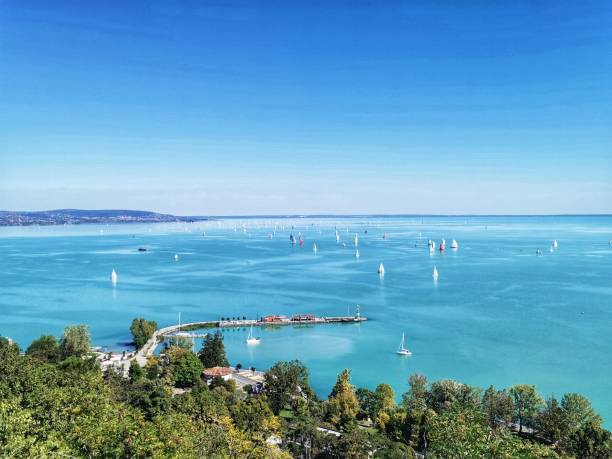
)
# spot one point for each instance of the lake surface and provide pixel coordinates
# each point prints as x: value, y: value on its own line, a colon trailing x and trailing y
x: 499, y: 314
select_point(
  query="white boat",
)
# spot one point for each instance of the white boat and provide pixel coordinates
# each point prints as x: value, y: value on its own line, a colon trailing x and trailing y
x: 176, y: 257
x: 314, y: 248
x: 251, y: 339
x: 381, y: 270
x: 555, y: 244
x: 337, y: 237
x: 385, y: 235
x: 356, y: 240
x: 454, y: 245
x: 357, y: 253
x: 432, y: 246
x: 114, y: 276
x: 435, y: 274
x: 401, y: 350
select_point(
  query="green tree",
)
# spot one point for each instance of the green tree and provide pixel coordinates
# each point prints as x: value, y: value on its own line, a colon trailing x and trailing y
x: 384, y: 405
x: 416, y: 397
x: 446, y: 394
x: 253, y: 415
x: 357, y: 443
x: 578, y: 412
x: 136, y: 372
x: 142, y: 331
x: 75, y: 342
x: 286, y: 382
x: 549, y: 421
x: 343, y: 402
x: 498, y: 406
x: 184, y: 367
x: 590, y: 441
x: 367, y: 402
x: 9, y: 345
x: 212, y: 353
x: 527, y: 402
x: 457, y: 432
x: 45, y: 348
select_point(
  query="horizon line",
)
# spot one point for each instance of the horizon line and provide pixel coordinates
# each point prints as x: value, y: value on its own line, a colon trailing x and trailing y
x: 322, y: 215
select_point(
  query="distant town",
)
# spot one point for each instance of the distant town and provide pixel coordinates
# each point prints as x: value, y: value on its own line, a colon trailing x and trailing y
x: 77, y: 217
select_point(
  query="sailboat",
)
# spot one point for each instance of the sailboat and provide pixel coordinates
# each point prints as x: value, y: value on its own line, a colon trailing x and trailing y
x: 314, y: 248
x: 435, y: 274
x: 114, y: 277
x: 555, y: 244
x: 176, y: 257
x: 381, y: 270
x: 357, y: 253
x: 432, y: 246
x: 442, y: 244
x: 337, y: 237
x: 384, y: 235
x: 356, y: 240
x: 251, y: 339
x: 401, y: 350
x: 454, y: 244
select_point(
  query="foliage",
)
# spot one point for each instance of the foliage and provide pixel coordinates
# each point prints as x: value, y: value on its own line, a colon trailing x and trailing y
x: 142, y: 331
x: 343, y: 403
x: 212, y: 353
x: 69, y: 408
x: 285, y: 383
x: 498, y: 406
x: 526, y: 404
x: 76, y: 341
x: 184, y: 367
x: 45, y: 348
x: 9, y: 346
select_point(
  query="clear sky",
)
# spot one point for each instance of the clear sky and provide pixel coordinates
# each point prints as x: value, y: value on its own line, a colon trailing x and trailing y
x: 232, y: 107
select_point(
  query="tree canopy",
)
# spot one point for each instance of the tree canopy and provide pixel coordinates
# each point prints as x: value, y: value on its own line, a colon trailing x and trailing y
x: 142, y: 331
x: 212, y: 353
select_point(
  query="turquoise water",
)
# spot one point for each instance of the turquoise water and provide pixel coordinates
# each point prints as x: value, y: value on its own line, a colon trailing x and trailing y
x: 498, y: 314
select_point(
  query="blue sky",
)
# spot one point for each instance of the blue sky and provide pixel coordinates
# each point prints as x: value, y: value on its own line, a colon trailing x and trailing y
x: 314, y: 107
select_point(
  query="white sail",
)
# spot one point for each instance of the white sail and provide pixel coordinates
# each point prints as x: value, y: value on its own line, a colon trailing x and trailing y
x: 314, y: 248
x: 114, y: 276
x: 435, y: 273
x: 251, y: 339
x: 356, y: 240
x: 402, y: 349
x: 381, y: 270
x: 337, y: 237
x: 357, y: 253
x: 454, y: 244
x: 555, y: 244
x: 432, y: 246
x: 176, y: 257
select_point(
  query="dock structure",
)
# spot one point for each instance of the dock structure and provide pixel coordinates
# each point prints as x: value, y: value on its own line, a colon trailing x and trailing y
x: 182, y: 329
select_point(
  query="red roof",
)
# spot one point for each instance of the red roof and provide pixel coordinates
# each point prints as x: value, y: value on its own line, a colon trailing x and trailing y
x: 217, y: 371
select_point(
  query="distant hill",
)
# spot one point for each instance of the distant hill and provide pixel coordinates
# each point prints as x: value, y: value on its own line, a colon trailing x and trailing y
x: 80, y: 216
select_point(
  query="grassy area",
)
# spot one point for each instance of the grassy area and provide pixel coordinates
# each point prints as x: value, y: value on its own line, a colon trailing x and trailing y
x: 287, y: 414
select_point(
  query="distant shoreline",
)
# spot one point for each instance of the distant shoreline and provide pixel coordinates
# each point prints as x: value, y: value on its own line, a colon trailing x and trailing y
x: 81, y: 217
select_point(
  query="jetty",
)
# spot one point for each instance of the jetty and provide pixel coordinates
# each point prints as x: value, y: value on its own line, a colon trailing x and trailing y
x: 182, y: 330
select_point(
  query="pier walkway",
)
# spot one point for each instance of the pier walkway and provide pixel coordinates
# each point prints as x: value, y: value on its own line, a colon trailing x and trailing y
x: 158, y: 336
